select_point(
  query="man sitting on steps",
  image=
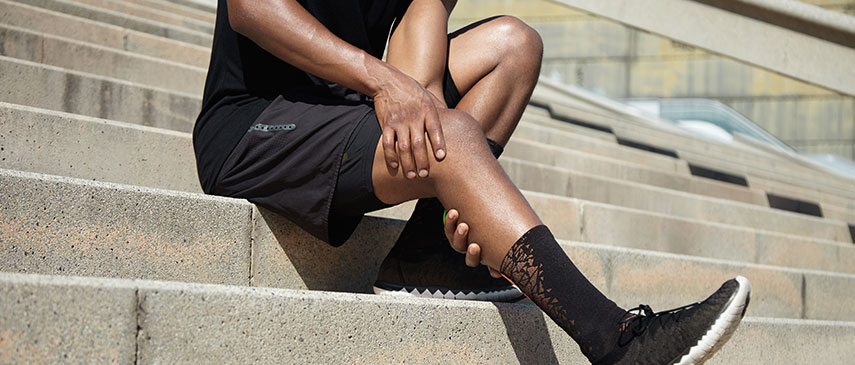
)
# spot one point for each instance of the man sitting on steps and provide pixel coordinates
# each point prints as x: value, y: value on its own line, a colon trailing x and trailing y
x: 300, y: 115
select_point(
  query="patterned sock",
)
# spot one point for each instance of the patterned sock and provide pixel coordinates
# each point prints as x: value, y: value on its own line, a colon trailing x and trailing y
x: 424, y: 230
x: 544, y: 273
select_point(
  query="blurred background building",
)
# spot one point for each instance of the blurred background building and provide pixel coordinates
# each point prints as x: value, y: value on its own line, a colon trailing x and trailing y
x: 620, y: 62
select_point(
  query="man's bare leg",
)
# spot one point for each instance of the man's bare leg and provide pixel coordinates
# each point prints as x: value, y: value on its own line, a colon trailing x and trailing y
x: 514, y: 241
x: 469, y: 179
x: 495, y: 64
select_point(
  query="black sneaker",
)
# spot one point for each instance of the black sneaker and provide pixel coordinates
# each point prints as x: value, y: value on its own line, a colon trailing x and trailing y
x: 685, y: 335
x: 423, y: 264
x: 440, y: 274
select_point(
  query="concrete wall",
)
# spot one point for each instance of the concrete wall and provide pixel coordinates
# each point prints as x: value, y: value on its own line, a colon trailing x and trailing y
x: 621, y: 62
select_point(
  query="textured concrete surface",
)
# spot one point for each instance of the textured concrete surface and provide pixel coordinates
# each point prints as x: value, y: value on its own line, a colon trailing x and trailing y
x: 44, y: 141
x: 285, y: 256
x: 149, y: 13
x: 783, y: 341
x: 66, y: 320
x: 204, y: 5
x: 50, y: 50
x: 48, y: 142
x: 177, y: 322
x: 727, y: 157
x: 828, y: 296
x: 67, y: 226
x: 186, y: 325
x: 667, y: 280
x: 636, y: 128
x: 48, y: 87
x: 535, y: 150
x: 621, y: 171
x: 696, y: 206
x: 606, y: 224
x: 178, y: 9
x: 108, y: 35
x: 534, y: 132
x: 123, y: 20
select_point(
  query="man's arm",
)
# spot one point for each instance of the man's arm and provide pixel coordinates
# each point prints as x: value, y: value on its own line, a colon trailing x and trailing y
x: 419, y: 44
x: 405, y: 109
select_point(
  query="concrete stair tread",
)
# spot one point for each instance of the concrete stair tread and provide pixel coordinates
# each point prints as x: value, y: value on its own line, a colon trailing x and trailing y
x: 153, y: 14
x: 58, y: 24
x: 123, y: 20
x: 175, y: 8
x: 40, y: 151
x: 100, y: 60
x: 158, y: 321
x: 155, y: 234
x: 804, y: 190
x: 696, y: 149
x: 40, y: 143
x: 87, y: 94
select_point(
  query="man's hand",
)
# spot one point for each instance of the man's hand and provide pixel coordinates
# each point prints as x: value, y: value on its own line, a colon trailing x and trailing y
x: 406, y: 111
x: 458, y: 235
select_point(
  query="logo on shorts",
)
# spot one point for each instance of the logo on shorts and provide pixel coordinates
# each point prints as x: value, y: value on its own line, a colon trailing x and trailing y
x: 271, y: 128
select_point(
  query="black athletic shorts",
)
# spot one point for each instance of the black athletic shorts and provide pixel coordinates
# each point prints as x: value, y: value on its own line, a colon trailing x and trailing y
x: 310, y: 159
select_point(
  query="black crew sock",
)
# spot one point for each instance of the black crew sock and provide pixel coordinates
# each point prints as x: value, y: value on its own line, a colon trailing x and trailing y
x: 424, y: 231
x: 544, y: 273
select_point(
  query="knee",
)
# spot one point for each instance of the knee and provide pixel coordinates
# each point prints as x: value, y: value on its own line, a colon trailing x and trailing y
x: 461, y: 131
x: 521, y: 41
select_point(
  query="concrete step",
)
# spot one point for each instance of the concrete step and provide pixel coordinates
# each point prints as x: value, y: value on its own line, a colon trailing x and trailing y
x: 539, y: 178
x: 178, y: 9
x: 533, y: 132
x: 126, y: 21
x: 82, y: 319
x: 58, y: 24
x: 109, y: 62
x: 69, y: 145
x: 56, y: 225
x: 564, y: 105
x: 178, y: 111
x: 804, y: 185
x: 693, y: 149
x: 45, y: 141
x: 605, y: 224
x: 567, y: 104
x: 148, y: 13
x: 48, y: 87
x: 605, y: 167
x: 203, y: 5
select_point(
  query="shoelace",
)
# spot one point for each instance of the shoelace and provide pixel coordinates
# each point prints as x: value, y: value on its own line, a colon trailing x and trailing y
x: 644, y: 317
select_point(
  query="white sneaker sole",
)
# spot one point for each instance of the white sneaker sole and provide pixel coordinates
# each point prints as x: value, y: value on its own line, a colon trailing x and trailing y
x: 723, y: 327
x: 492, y: 296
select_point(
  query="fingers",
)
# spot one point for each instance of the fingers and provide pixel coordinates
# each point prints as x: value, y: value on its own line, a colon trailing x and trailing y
x: 473, y: 255
x: 449, y: 225
x: 456, y: 233
x: 389, y: 152
x: 434, y: 131
x: 420, y: 152
x: 405, y: 153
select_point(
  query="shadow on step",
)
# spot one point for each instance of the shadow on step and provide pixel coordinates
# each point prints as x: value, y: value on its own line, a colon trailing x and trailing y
x: 527, y: 332
x: 285, y: 256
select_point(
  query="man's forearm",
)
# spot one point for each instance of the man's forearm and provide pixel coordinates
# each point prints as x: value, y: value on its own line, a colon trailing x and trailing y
x: 419, y: 45
x: 285, y: 29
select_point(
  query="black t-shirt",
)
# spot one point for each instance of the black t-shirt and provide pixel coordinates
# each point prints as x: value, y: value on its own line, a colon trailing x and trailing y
x: 243, y: 78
